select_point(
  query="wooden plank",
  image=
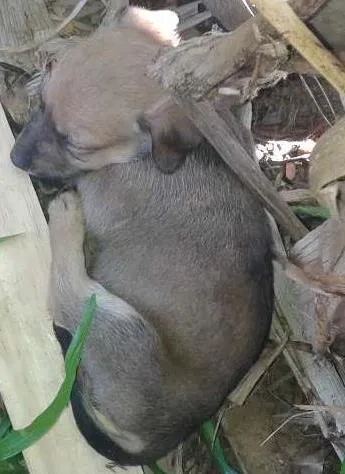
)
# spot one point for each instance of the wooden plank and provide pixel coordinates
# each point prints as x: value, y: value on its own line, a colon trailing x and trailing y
x: 31, y: 364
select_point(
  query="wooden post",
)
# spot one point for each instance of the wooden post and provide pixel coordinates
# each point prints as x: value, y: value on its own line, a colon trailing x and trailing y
x: 31, y: 363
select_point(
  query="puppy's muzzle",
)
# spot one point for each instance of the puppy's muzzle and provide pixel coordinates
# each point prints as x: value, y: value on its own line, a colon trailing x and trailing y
x: 21, y: 157
x: 25, y: 147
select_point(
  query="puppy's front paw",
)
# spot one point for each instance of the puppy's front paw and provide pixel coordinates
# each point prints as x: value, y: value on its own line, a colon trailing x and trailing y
x: 66, y: 226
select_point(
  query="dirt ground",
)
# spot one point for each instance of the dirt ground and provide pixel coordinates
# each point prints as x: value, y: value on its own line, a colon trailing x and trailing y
x: 298, y: 448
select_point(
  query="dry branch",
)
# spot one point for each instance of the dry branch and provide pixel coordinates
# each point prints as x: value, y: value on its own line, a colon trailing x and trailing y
x: 293, y: 196
x: 252, y: 57
x: 198, y: 66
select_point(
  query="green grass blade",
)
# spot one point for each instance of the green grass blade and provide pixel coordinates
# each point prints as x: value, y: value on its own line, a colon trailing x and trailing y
x: 16, y: 441
x: 5, y: 425
x: 342, y: 471
x: 156, y: 469
x: 207, y: 433
x: 14, y: 466
x: 8, y: 237
x: 312, y: 211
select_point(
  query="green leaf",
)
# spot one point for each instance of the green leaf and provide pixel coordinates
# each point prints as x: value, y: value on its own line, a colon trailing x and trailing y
x: 312, y: 211
x: 16, y: 441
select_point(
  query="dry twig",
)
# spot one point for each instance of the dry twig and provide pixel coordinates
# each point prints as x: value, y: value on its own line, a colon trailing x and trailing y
x: 280, y: 427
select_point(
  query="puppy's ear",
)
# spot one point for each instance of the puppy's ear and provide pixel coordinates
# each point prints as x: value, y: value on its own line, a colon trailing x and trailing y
x: 160, y: 25
x: 173, y: 135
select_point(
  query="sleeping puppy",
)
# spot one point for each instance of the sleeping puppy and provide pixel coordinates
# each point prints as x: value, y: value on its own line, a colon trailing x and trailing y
x: 180, y: 257
x: 93, y: 97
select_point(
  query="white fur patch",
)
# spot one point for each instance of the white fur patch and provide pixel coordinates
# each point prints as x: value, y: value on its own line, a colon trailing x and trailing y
x: 128, y: 441
x: 160, y: 24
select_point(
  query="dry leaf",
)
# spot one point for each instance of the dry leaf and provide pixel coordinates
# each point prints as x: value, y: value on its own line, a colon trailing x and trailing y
x: 328, y: 158
x: 320, y: 251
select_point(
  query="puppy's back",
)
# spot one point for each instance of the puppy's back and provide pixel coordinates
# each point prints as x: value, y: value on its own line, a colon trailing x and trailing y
x: 191, y: 252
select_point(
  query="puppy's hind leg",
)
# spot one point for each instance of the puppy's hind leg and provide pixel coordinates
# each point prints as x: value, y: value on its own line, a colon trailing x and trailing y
x: 124, y: 357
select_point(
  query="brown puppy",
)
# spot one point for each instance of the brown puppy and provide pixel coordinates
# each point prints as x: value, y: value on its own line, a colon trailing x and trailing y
x: 94, y: 95
x: 180, y: 262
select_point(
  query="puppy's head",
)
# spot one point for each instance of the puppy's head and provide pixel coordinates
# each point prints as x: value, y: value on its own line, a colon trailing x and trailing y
x: 92, y: 97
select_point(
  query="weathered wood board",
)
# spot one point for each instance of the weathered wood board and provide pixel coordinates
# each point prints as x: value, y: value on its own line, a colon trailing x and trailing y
x: 31, y: 364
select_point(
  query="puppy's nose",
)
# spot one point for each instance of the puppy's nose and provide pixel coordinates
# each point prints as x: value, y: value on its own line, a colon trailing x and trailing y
x: 21, y: 158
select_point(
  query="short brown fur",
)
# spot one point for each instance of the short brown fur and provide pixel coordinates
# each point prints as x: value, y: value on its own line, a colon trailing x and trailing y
x: 180, y: 263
